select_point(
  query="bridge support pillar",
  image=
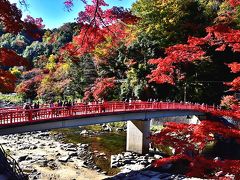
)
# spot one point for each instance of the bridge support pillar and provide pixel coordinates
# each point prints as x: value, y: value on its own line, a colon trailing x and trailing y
x: 138, y: 132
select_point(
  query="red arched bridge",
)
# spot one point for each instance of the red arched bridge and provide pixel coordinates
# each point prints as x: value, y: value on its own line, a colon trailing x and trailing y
x: 18, y: 120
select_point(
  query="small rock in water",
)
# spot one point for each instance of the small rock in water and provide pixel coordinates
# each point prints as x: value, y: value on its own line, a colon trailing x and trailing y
x: 71, y: 154
x: 22, y: 158
x: 84, y: 132
x: 119, y: 129
x: 33, y: 146
x: 128, y: 154
x: 63, y: 158
x: 84, y: 145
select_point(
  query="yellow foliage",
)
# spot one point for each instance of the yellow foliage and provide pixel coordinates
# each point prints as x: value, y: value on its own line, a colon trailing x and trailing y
x: 15, y: 71
x: 46, y: 80
x: 51, y: 63
x: 132, y: 76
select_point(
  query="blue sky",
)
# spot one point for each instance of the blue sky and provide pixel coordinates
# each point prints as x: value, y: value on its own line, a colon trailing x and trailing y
x: 54, y: 14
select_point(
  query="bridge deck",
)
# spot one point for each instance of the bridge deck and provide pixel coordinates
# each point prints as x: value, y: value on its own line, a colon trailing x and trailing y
x: 18, y: 116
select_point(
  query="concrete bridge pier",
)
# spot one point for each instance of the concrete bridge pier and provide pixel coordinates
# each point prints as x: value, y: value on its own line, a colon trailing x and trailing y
x: 138, y: 132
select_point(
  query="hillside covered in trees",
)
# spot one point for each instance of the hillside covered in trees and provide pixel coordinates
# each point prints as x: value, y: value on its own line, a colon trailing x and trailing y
x: 159, y: 49
x: 109, y: 58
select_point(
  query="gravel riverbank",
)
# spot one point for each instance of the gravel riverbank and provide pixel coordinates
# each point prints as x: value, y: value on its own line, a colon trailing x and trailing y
x: 43, y: 156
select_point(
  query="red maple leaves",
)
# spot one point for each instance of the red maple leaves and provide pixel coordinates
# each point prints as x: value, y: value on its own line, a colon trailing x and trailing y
x: 7, y: 81
x: 181, y: 53
x: 10, y: 17
x: 37, y: 21
x: 185, y: 138
x: 235, y: 67
x: 222, y: 35
x: 219, y: 36
x: 234, y: 3
x: 9, y: 58
x: 235, y: 84
x: 27, y: 86
x: 99, y: 28
x: 100, y: 88
x: 205, y: 168
x: 86, y: 41
x: 68, y: 4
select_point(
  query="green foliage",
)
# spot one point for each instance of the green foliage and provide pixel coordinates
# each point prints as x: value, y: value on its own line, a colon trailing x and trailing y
x: 17, y: 43
x: 210, y: 7
x: 62, y: 35
x: 36, y: 49
x: 238, y: 16
x: 170, y: 22
x: 11, y: 98
x: 134, y: 85
x: 82, y: 73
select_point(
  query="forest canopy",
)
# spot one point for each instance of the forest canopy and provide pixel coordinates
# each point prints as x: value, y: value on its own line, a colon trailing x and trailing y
x: 166, y: 50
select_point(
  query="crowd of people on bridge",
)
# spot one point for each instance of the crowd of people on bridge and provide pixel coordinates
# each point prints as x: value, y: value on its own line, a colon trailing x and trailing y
x: 51, y: 104
x: 70, y: 103
x: 59, y: 103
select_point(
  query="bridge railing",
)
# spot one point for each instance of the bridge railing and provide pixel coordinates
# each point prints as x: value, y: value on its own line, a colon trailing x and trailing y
x: 11, y: 166
x: 21, y: 116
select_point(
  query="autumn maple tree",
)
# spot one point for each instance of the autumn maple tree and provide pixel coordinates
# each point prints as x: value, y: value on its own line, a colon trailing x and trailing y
x: 28, y: 88
x: 100, y: 88
x: 219, y: 36
x: 10, y: 18
x: 189, y: 141
x: 9, y: 58
x: 102, y: 31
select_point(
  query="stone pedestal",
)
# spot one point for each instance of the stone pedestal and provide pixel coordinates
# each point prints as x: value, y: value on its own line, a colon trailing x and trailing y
x: 138, y: 132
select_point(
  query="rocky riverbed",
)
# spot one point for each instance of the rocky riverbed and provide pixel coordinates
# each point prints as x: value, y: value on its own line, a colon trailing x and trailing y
x: 50, y: 155
x: 44, y: 156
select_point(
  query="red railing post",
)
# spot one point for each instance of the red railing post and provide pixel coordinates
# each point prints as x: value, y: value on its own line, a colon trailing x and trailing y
x: 11, y: 118
x: 29, y: 115
x: 70, y: 111
x: 85, y: 108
